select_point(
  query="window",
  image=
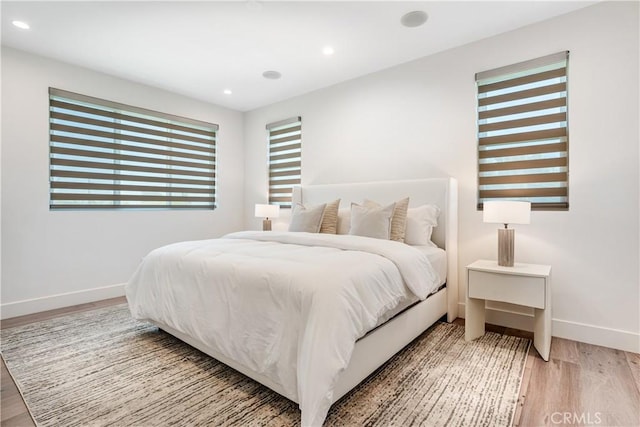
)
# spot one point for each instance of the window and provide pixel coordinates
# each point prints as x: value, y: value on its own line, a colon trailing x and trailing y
x: 522, y: 133
x: 107, y: 155
x: 285, y: 150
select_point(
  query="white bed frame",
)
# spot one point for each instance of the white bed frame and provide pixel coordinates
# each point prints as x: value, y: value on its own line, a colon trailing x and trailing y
x: 378, y: 346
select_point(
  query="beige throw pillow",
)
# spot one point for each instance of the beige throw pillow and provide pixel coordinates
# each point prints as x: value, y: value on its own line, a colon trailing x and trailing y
x: 330, y: 218
x: 399, y: 219
x: 306, y: 219
x: 371, y: 221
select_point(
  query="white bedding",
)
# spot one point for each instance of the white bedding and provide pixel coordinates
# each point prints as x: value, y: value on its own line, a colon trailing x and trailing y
x: 438, y: 260
x: 289, y: 306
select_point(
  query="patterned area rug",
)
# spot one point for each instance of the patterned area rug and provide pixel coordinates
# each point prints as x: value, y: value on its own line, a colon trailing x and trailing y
x: 103, y: 368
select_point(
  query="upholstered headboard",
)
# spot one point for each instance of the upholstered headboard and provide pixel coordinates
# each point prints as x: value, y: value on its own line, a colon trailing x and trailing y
x: 442, y: 192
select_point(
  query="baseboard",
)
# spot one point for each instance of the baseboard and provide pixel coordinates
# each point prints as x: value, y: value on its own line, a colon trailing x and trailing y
x: 606, y: 337
x: 590, y: 334
x: 51, y: 302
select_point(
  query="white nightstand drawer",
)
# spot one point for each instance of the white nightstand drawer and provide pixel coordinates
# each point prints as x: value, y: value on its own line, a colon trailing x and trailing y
x: 514, y: 289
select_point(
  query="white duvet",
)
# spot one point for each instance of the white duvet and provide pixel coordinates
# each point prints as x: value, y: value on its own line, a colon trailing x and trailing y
x: 289, y: 306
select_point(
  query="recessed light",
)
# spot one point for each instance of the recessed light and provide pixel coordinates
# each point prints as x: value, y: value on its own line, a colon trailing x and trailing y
x: 414, y: 19
x: 21, y: 24
x: 272, y: 75
x: 328, y: 50
x: 227, y: 92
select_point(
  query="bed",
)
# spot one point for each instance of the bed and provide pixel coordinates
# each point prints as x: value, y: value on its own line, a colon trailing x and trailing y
x: 292, y: 333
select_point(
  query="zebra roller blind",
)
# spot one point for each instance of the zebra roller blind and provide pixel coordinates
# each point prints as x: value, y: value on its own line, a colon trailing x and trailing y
x: 114, y: 156
x: 285, y: 160
x: 522, y: 133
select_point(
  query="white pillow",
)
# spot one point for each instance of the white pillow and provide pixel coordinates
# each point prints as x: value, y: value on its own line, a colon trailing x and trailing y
x: 371, y: 221
x: 308, y: 219
x: 344, y: 221
x: 420, y: 223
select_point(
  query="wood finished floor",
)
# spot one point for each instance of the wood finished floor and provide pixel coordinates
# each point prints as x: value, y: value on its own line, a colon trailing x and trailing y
x: 581, y: 385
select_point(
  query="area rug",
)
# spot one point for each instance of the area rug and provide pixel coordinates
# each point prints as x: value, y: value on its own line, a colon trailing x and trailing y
x: 102, y: 368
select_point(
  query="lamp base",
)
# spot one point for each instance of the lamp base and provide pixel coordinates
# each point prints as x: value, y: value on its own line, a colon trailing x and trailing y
x: 506, y: 237
x: 266, y: 225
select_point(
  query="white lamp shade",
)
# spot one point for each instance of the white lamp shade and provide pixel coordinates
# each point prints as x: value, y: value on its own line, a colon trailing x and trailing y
x: 507, y: 212
x: 267, y: 211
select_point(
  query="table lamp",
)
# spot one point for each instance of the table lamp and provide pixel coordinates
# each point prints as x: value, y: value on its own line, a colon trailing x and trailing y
x: 266, y: 212
x: 506, y: 212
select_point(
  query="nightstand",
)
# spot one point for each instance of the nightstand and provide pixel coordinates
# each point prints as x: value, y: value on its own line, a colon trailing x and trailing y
x: 523, y: 284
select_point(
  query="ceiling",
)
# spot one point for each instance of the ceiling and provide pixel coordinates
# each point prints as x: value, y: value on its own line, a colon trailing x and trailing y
x: 199, y: 49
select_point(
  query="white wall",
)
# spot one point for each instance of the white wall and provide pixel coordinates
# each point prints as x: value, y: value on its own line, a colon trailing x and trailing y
x: 418, y: 120
x: 52, y: 259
